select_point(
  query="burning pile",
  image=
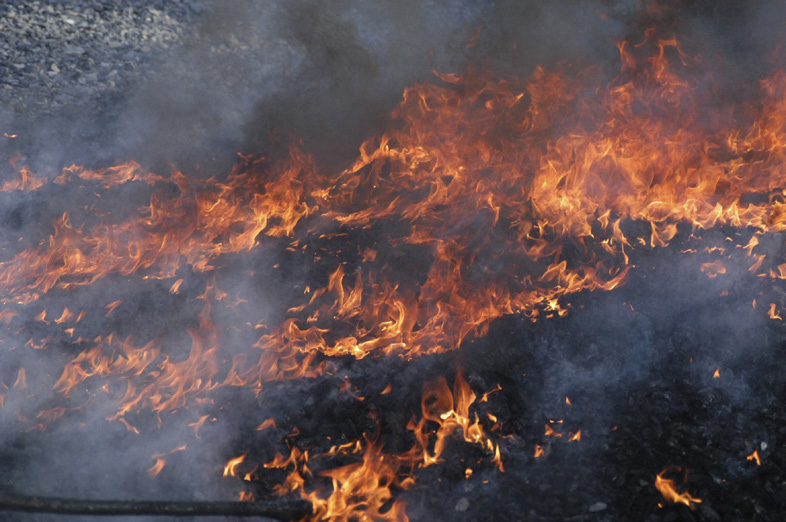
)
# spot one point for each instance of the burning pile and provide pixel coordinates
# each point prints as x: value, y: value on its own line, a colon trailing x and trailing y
x: 487, y: 197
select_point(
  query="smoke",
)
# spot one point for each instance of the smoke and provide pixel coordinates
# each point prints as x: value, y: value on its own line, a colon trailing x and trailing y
x: 326, y: 72
x: 253, y: 74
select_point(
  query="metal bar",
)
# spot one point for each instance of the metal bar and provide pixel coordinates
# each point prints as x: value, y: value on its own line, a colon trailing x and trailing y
x: 279, y: 509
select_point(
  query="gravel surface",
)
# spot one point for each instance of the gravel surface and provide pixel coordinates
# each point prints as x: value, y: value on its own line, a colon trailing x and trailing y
x: 67, y: 69
x: 55, y: 54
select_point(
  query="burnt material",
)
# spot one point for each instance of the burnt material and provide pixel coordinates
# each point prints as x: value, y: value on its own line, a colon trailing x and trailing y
x: 280, y: 510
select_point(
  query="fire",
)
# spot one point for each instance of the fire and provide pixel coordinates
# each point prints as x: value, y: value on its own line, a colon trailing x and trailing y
x: 369, y: 485
x: 668, y: 489
x: 67, y: 315
x: 520, y: 192
x: 450, y: 411
x: 111, y: 306
x: 371, y: 481
x: 157, y: 467
x: 269, y: 423
x: 230, y: 470
x: 26, y: 180
x: 198, y: 424
x: 551, y: 433
x: 539, y: 451
x: 714, y: 269
x: 21, y: 379
x: 755, y: 457
x: 533, y: 196
x: 175, y: 288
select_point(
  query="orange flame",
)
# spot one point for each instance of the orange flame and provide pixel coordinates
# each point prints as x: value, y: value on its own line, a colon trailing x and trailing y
x: 157, y: 467
x: 230, y: 470
x: 269, y: 423
x: 451, y: 412
x: 198, y: 424
x: 713, y: 269
x: 437, y: 166
x: 21, y: 379
x: 755, y: 456
x: 369, y: 485
x: 668, y: 489
x: 539, y: 451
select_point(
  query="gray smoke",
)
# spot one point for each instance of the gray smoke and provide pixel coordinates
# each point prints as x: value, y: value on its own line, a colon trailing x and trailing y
x: 244, y: 78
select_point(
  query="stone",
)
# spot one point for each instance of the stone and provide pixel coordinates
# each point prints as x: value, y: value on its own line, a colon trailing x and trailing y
x: 597, y: 507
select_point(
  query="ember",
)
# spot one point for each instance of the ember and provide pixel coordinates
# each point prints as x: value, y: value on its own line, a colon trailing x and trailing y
x: 514, y: 301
